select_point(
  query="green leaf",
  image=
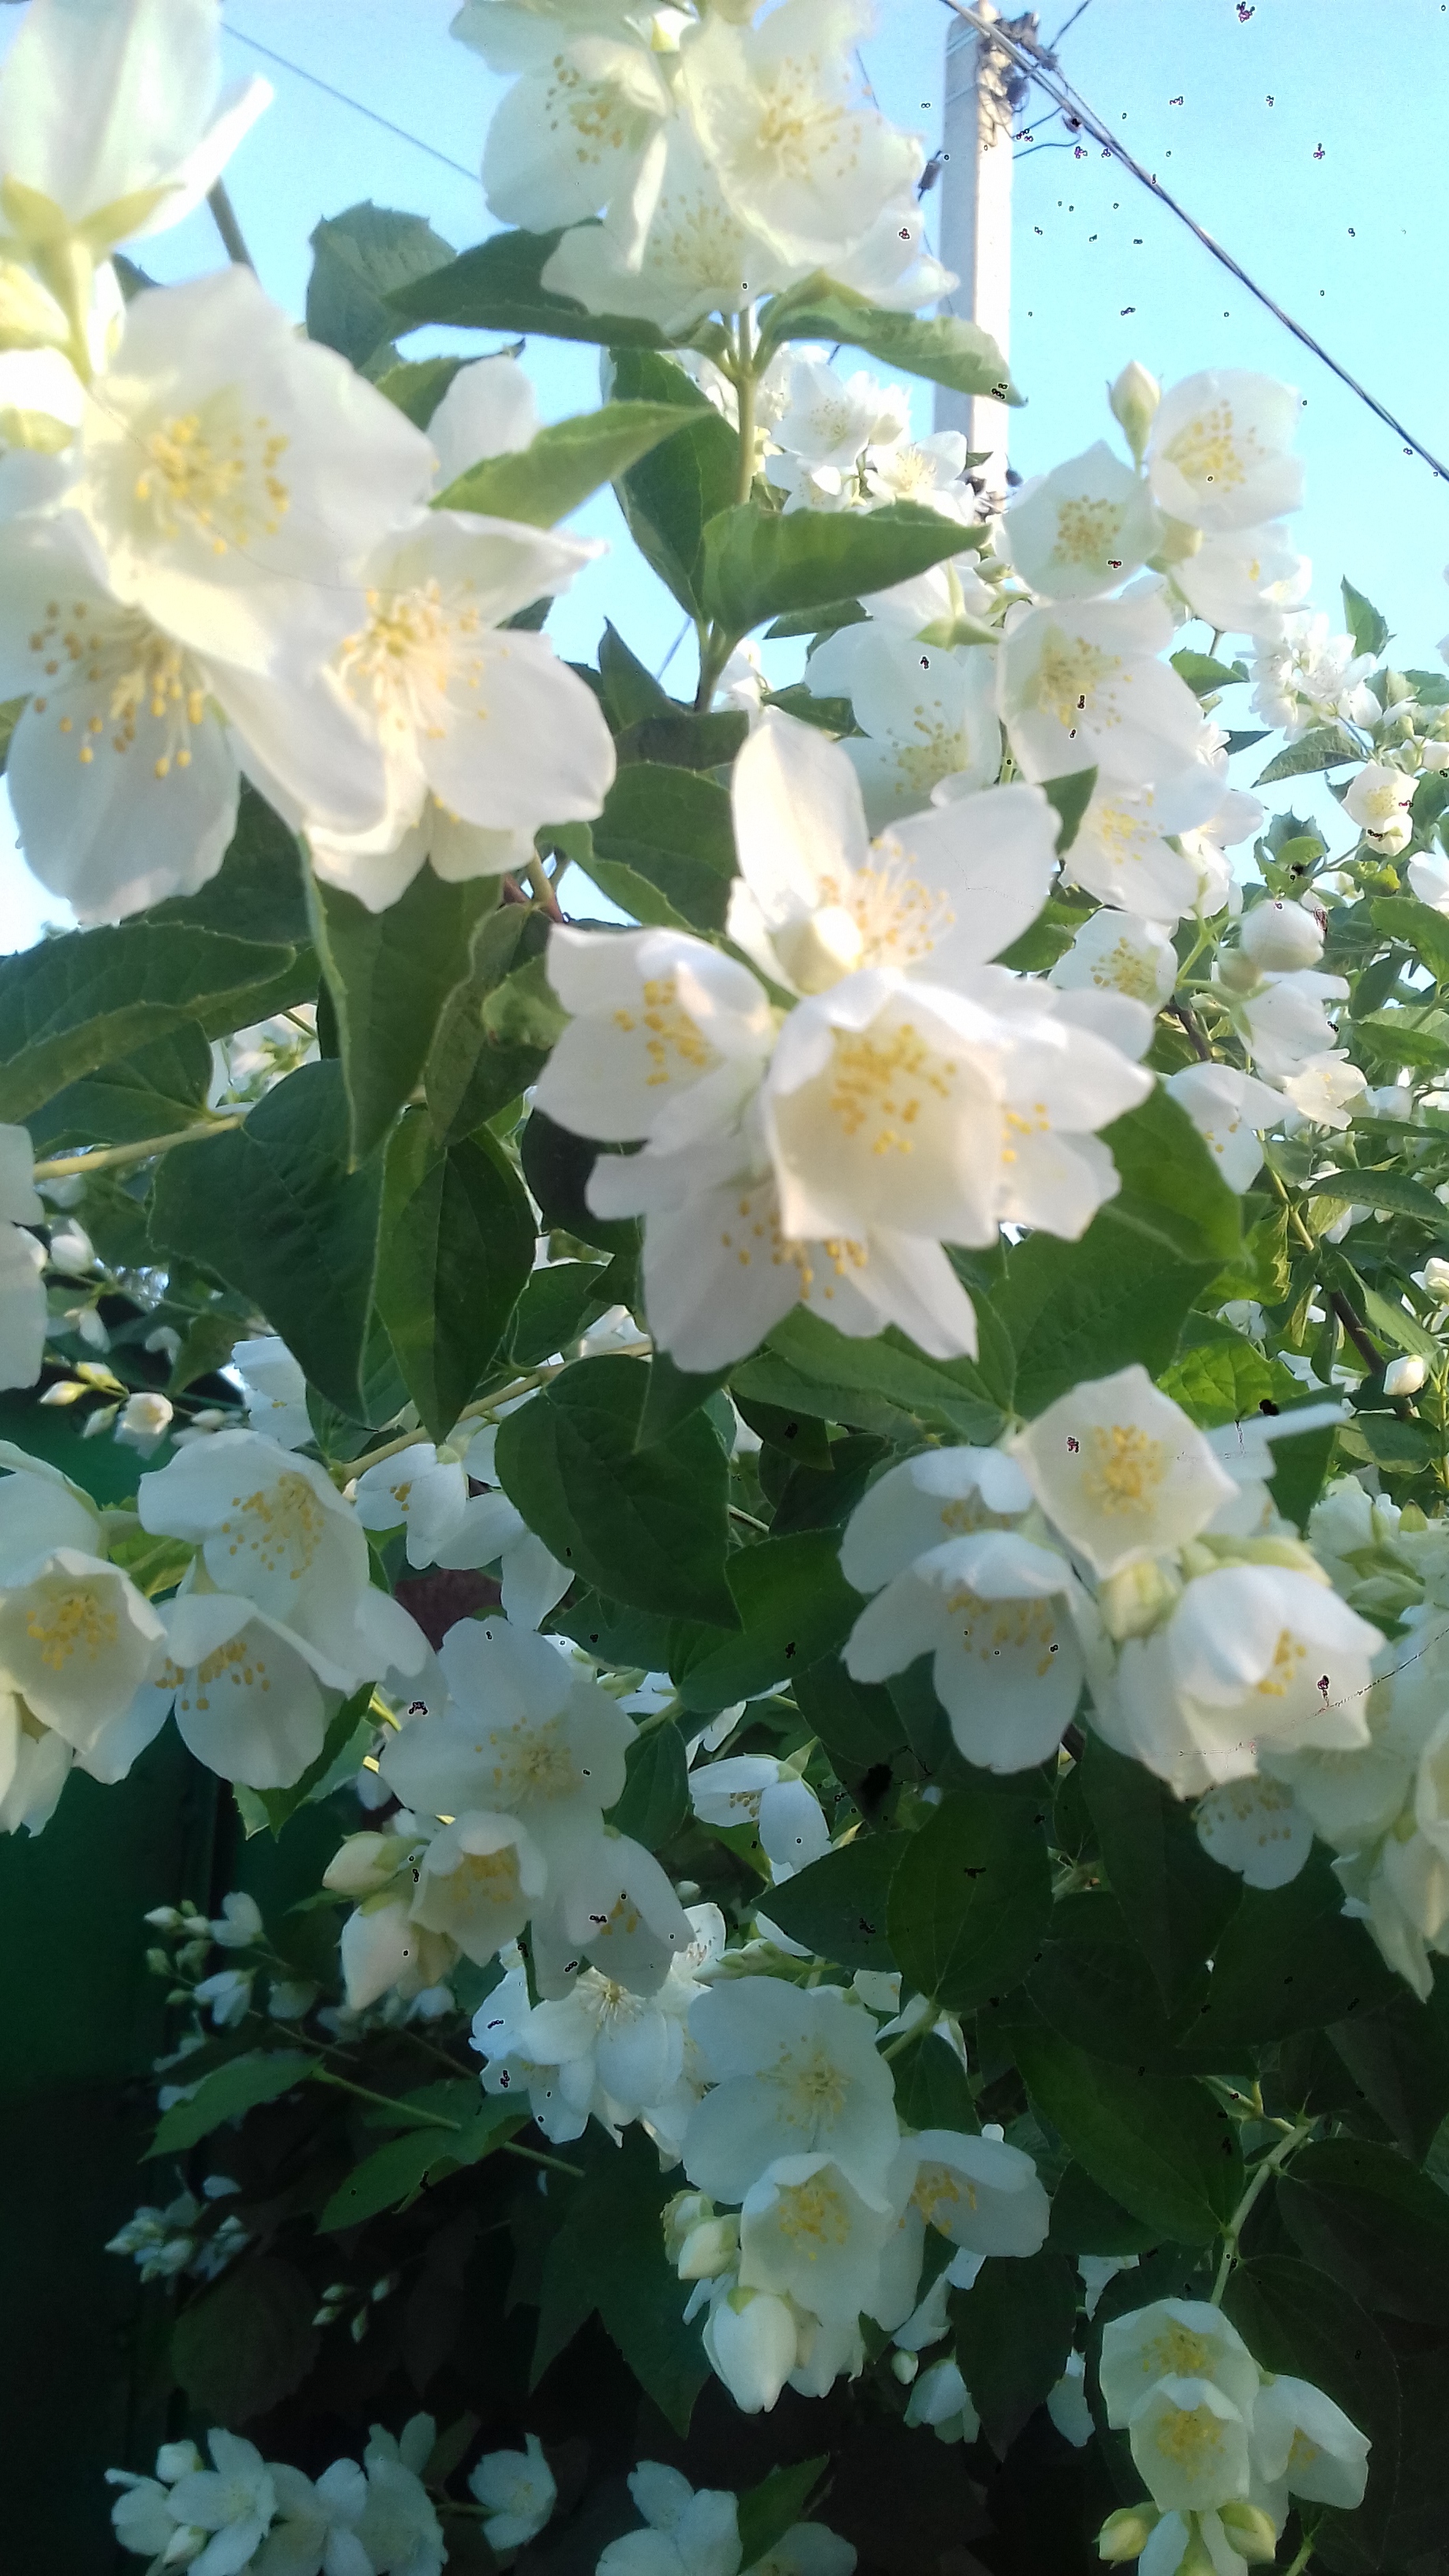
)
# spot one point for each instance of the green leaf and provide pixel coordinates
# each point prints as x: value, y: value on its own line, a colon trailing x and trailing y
x: 93, y: 998
x: 556, y: 1165
x: 655, y: 1802
x: 1225, y: 1380
x: 760, y: 564
x: 631, y: 692
x: 396, y: 2171
x: 1203, y: 675
x: 472, y: 1070
x: 1399, y: 2060
x: 971, y: 1900
x: 557, y: 1304
x: 391, y: 975
x: 1295, y: 2321
x: 664, y: 847
x: 644, y: 1527
x: 228, y: 2091
x: 1086, y: 2221
x: 455, y: 1252
x: 856, y: 1721
x: 562, y: 465
x: 496, y: 287
x: 416, y: 386
x: 275, y: 1211
x: 1387, y: 1189
x: 1013, y: 2332
x: 931, y: 2087
x: 1322, y: 747
x: 1364, y: 2215
x: 1369, y: 630
x: 1158, y: 2144
x: 609, y: 2254
x: 248, y: 2342
x: 669, y: 498
x: 1172, y: 1190
x: 1175, y: 1900
x: 258, y: 892
x: 794, y: 1606
x: 944, y: 351
x: 161, y: 1088
x: 685, y: 740
x: 348, y: 1723
x: 1069, y: 798
x: 358, y: 260
x: 1092, y: 1978
x: 967, y: 1395
x: 1291, y: 1959
x: 837, y: 1907
x: 768, y: 2511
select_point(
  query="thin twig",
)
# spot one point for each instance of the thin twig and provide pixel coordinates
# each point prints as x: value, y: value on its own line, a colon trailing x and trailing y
x: 61, y: 1166
x: 223, y: 215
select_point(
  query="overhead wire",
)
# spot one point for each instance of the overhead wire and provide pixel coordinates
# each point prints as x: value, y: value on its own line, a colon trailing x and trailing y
x: 344, y: 99
x: 1036, y: 61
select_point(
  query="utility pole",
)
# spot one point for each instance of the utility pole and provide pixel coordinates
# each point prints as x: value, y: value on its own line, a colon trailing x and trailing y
x: 983, y: 97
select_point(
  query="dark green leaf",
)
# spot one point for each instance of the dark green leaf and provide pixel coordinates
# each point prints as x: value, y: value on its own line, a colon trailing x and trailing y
x: 1069, y: 797
x: 943, y: 350
x: 70, y: 1005
x: 759, y: 564
x: 855, y: 1721
x: 1086, y: 2221
x: 1327, y: 746
x: 358, y: 259
x: 274, y: 1210
x: 1386, y: 1189
x: 563, y: 464
x: 1013, y: 2334
x: 655, y: 1802
x: 226, y: 2093
x: 1295, y: 2321
x: 1175, y: 1900
x: 931, y: 2087
x: 1225, y: 1380
x: 348, y: 1724
x: 247, y: 2342
x: 669, y: 498
x: 647, y: 1528
x: 496, y: 287
x: 971, y: 1900
x: 390, y: 975
x: 259, y: 891
x: 837, y: 1906
x: 685, y: 740
x: 1158, y: 2144
x: 417, y: 386
x: 768, y: 2511
x: 1363, y: 2214
x: 609, y: 2254
x: 966, y: 1394
x: 664, y: 847
x: 1092, y: 1979
x: 161, y: 1088
x: 1291, y: 1959
x: 1369, y: 630
x: 1399, y: 2060
x: 455, y: 1251
x: 394, y: 2172
x: 794, y: 1606
x: 631, y: 692
x: 556, y: 1305
x: 556, y: 1165
x: 472, y: 1071
x: 1203, y: 675
x: 673, y: 1395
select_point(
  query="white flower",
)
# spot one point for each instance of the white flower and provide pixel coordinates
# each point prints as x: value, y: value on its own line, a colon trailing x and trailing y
x: 798, y: 155
x: 417, y: 1490
x: 1244, y: 582
x: 1311, y: 676
x: 524, y: 1734
x: 618, y: 1908
x: 561, y: 2092
x: 34, y: 1766
x: 487, y: 721
x: 1405, y: 1376
x: 1257, y: 1828
x: 750, y: 2343
x: 1302, y: 2441
x: 1083, y: 529
x: 1252, y: 1653
x: 927, y: 713
x: 1067, y: 2404
x: 519, y: 2490
x: 1217, y: 454
x: 275, y: 1390
x: 1121, y: 854
x: 1082, y: 685
x: 809, y: 2233
x: 667, y: 1037
x: 1007, y: 1668
x: 939, y: 2397
x: 398, y: 2528
x: 489, y: 409
x: 1118, y: 952
x: 807, y: 2549
x: 489, y: 1531
x: 1173, y: 2338
x: 929, y: 470
x: 382, y: 1947
x: 22, y: 1259
x: 234, y: 2500
x: 110, y: 119
x: 77, y: 1640
x: 144, y: 1421
x: 1284, y: 1023
x: 315, y: 2530
x: 239, y: 1924
x: 570, y: 134
x: 1279, y: 936
x: 686, y: 2534
x: 1190, y: 2444
x: 981, y: 2193
x: 247, y: 1693
x: 478, y: 1881
x: 671, y: 249
x: 1324, y: 1089
x: 795, y: 2073
x: 923, y: 1501
x: 1230, y: 1111
x: 1378, y: 800
x: 1120, y: 1470
x: 829, y: 419
x: 1429, y: 879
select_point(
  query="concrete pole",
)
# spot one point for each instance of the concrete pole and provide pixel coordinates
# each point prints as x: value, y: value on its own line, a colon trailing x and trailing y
x: 976, y: 217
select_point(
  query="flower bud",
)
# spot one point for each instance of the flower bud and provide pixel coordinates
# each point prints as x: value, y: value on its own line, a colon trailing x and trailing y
x: 1251, y: 2532
x: 1434, y: 755
x: 904, y: 2366
x: 1126, y: 2533
x: 1436, y: 1280
x: 1178, y: 544
x: 145, y: 1421
x: 679, y: 2218
x: 709, y: 2249
x: 1134, y: 399
x: 1280, y: 936
x: 1238, y: 970
x: 364, y: 1864
x: 749, y: 2341
x: 1138, y: 1597
x: 1405, y: 1376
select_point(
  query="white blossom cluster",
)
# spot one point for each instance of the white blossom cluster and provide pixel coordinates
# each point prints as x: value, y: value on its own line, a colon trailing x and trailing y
x: 689, y: 2533
x: 1221, y: 2445
x: 373, y: 2518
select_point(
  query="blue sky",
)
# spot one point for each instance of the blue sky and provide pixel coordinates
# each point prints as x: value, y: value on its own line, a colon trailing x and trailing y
x: 1306, y: 136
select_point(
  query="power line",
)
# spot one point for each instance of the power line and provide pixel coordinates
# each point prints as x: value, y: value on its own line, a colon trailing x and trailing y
x: 314, y: 78
x: 1041, y: 67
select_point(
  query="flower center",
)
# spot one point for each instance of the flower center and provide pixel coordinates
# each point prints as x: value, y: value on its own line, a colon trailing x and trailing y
x: 133, y: 674
x: 1209, y: 449
x: 71, y: 1621
x: 812, y: 2085
x: 415, y: 645
x: 1177, y: 2353
x: 238, y: 1662
x: 879, y: 1084
x: 214, y: 474
x: 993, y: 1628
x: 939, y: 2193
x: 1123, y: 1467
x: 1071, y: 676
x: 1086, y: 531
x: 1189, y: 2435
x: 280, y: 1525
x: 1282, y: 1673
x: 898, y: 916
x: 673, y: 1042
x: 814, y: 2216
